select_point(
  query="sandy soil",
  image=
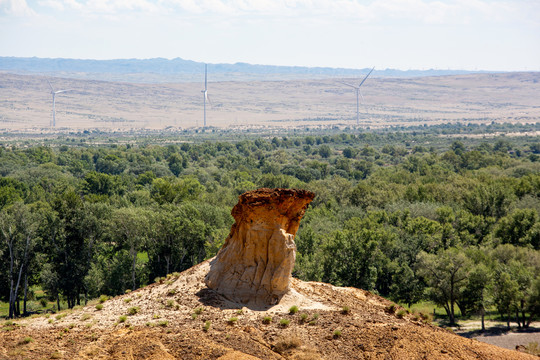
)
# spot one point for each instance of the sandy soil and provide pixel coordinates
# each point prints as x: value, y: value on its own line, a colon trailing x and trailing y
x: 26, y: 102
x: 170, y: 319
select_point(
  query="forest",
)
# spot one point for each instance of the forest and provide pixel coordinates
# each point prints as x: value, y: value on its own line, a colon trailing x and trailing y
x: 443, y: 213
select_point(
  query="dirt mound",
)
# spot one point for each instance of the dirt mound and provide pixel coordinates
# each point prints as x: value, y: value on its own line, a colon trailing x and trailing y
x: 180, y: 318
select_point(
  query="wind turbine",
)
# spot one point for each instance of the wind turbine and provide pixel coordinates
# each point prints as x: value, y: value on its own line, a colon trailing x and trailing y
x: 358, y: 92
x: 205, y: 93
x: 54, y: 102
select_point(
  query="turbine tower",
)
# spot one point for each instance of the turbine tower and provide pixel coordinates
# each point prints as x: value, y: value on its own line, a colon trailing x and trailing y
x: 53, y: 124
x: 205, y: 93
x: 358, y: 93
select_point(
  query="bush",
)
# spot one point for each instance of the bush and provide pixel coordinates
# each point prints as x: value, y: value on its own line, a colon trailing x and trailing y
x: 122, y: 319
x: 171, y: 292
x: 43, y: 302
x: 27, y: 340
x: 345, y: 310
x: 232, y: 320
x: 163, y: 323
x: 401, y: 313
x: 267, y: 320
x: 304, y: 317
x: 103, y: 298
x: 127, y: 301
x: 99, y: 307
x: 337, y: 333
x: 293, y: 309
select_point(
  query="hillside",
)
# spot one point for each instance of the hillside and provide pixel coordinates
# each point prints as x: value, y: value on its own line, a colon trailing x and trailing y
x: 163, y: 327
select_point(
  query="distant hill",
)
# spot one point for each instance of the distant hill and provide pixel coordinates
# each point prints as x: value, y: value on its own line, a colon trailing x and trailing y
x: 165, y: 70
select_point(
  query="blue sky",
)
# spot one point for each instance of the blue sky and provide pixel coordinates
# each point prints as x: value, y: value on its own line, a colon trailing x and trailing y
x: 400, y: 34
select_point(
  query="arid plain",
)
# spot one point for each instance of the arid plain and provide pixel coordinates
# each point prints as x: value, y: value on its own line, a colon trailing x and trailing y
x: 26, y: 102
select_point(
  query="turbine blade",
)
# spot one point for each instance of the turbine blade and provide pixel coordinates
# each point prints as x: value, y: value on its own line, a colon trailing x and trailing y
x: 364, y: 103
x: 52, y: 90
x: 208, y: 98
x: 61, y: 91
x: 205, y: 76
x: 344, y: 83
x: 369, y: 73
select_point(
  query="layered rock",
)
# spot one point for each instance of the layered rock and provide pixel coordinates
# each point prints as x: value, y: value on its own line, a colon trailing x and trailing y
x: 256, y: 261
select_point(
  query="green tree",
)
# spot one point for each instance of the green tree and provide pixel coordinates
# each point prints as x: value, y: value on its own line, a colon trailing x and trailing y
x: 445, y: 273
x: 18, y: 232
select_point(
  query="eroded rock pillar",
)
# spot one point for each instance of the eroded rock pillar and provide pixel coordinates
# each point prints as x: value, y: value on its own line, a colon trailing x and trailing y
x: 256, y: 261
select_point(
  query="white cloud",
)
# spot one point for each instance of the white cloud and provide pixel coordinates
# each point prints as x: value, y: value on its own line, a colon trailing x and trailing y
x: 15, y: 8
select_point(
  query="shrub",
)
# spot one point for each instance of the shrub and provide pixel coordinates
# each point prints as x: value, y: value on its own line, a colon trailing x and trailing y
x: 171, y: 292
x: 85, y: 317
x: 284, y: 322
x: 170, y: 303
x: 60, y: 316
x: 43, y: 302
x: 99, y: 307
x: 122, y: 319
x: 337, y: 333
x: 127, y: 291
x: 163, y: 323
x: 27, y: 340
x: 239, y: 312
x: 103, y: 298
x: 390, y: 309
x: 232, y: 320
x: 127, y: 301
x: 401, y: 313
x: 194, y: 316
x: 346, y: 310
x: 206, y: 326
x: 293, y: 309
x: 133, y: 310
x: 304, y: 317
x: 267, y: 320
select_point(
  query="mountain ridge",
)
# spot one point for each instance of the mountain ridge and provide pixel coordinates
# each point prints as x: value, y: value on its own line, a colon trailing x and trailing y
x: 188, y: 70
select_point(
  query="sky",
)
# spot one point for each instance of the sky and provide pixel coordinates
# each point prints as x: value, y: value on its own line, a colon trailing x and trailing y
x: 493, y: 35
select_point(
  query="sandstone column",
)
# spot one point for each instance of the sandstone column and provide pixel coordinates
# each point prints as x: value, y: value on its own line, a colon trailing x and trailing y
x: 256, y: 261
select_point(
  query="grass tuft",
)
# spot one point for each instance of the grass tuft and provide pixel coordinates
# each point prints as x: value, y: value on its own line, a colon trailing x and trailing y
x: 103, y: 298
x: 293, y: 309
x: 99, y: 307
x: 345, y: 310
x: 284, y: 322
x: 207, y: 325
x: 337, y: 333
x: 232, y: 321
x: 198, y: 310
x: 122, y: 319
x: 267, y: 320
x: 133, y: 310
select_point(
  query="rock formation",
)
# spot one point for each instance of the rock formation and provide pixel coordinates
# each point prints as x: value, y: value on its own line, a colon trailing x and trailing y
x: 255, y: 263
